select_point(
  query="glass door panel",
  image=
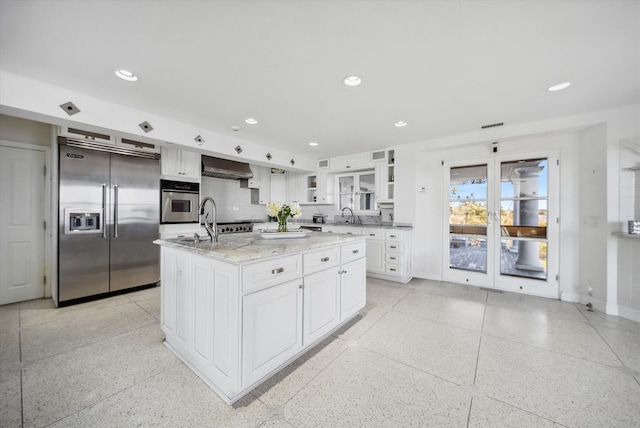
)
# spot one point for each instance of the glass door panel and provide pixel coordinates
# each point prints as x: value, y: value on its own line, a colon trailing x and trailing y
x: 523, y: 218
x: 468, y: 218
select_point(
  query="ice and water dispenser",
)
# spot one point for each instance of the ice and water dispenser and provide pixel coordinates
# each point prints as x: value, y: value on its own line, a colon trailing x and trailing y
x: 83, y: 221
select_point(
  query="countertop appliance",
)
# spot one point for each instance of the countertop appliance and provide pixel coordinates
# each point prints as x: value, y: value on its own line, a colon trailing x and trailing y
x: 108, y: 220
x: 179, y: 202
x: 318, y: 218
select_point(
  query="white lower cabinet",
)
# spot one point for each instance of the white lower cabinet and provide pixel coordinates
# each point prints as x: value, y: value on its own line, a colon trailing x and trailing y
x: 388, y: 251
x: 321, y: 304
x: 235, y: 325
x: 353, y: 296
x: 271, y: 329
x: 375, y: 255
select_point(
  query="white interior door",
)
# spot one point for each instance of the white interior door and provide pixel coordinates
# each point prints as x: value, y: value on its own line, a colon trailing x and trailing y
x: 501, y: 227
x: 21, y: 224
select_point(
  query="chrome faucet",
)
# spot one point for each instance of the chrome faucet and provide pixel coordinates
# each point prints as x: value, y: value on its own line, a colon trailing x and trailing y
x: 212, y: 232
x: 352, y: 220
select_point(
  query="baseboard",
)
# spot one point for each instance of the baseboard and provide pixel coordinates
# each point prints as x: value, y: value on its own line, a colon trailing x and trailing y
x: 628, y: 313
x: 597, y: 304
x: 570, y: 296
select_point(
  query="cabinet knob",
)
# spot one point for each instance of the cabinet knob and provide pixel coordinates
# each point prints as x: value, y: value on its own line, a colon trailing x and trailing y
x: 355, y: 251
x: 301, y: 286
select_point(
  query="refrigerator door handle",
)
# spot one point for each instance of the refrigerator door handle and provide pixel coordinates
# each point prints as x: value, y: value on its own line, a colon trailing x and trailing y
x: 104, y: 210
x: 115, y: 210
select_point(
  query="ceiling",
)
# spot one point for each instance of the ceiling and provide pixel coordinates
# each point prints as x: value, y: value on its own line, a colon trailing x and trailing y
x: 444, y: 67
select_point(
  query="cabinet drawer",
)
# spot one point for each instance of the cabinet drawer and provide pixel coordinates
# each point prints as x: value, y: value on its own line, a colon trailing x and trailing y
x: 374, y: 234
x: 271, y: 272
x: 394, y: 270
x: 393, y: 235
x: 320, y: 260
x: 394, y: 259
x: 394, y: 247
x: 352, y: 252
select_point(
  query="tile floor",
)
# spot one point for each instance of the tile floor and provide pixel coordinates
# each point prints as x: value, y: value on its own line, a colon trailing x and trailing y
x: 426, y: 354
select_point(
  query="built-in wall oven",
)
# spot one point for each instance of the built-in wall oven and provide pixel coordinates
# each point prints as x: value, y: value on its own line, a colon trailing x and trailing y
x: 179, y: 202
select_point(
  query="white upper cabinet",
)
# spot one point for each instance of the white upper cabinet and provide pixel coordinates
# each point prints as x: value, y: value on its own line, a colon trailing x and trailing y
x: 180, y: 164
x: 353, y: 162
x: 318, y: 189
x: 278, y: 187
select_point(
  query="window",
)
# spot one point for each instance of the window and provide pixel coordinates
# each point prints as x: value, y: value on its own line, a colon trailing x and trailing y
x: 357, y: 191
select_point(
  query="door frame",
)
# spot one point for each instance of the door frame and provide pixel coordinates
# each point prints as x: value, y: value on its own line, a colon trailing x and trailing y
x: 492, y: 278
x: 49, y: 250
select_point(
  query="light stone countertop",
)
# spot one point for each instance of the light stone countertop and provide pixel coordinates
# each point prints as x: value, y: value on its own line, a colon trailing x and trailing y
x: 242, y: 248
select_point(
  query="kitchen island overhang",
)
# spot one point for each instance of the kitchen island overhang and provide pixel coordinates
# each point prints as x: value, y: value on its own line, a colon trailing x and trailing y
x: 239, y: 310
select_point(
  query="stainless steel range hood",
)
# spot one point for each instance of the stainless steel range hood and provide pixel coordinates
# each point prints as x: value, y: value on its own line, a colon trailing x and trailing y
x: 224, y: 168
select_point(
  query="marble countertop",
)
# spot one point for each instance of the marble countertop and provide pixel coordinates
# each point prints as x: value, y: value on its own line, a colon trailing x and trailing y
x: 242, y: 248
x: 362, y: 226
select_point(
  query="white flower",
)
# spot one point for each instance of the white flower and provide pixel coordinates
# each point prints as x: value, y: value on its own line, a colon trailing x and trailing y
x: 273, y: 208
x: 296, y: 211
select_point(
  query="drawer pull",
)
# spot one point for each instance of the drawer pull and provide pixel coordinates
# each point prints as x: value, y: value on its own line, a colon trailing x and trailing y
x: 372, y: 234
x: 392, y: 258
x: 393, y: 236
x: 393, y: 270
x: 392, y: 246
x: 276, y: 271
x: 355, y: 251
x: 324, y: 259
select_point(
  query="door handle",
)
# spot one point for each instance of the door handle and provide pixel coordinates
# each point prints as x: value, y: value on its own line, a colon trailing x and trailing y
x: 104, y: 211
x: 115, y: 210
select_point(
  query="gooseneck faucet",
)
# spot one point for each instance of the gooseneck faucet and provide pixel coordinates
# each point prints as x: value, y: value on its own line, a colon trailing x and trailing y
x: 353, y: 217
x: 212, y: 232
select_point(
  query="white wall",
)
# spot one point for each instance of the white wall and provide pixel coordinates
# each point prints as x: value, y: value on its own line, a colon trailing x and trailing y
x: 429, y: 235
x: 593, y: 215
x: 24, y: 131
x: 589, y: 146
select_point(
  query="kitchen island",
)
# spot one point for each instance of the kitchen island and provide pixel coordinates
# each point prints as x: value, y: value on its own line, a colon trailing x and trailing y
x: 238, y: 310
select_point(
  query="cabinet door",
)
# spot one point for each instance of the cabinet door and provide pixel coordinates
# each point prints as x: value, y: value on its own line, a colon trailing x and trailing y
x: 324, y: 188
x: 190, y: 164
x: 170, y: 162
x: 375, y: 255
x: 382, y: 192
x: 321, y: 304
x: 216, y: 322
x: 353, y: 289
x: 264, y: 187
x: 176, y: 302
x: 271, y: 329
x: 278, y: 188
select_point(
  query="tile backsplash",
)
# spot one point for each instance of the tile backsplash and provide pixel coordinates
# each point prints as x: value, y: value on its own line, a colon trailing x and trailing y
x: 232, y: 202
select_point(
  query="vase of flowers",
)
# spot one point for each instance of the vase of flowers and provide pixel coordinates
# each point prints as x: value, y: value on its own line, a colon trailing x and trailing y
x: 282, y: 212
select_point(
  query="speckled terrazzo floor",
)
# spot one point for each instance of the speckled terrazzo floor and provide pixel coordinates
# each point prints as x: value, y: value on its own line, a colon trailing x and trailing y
x: 428, y: 354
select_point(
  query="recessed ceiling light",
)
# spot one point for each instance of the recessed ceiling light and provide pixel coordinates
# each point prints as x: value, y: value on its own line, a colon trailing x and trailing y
x: 251, y: 121
x: 559, y: 87
x: 126, y: 75
x: 352, y: 80
x: 313, y: 144
x: 400, y: 124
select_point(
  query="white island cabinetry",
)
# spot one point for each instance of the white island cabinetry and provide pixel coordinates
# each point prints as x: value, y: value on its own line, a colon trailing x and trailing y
x: 235, y: 323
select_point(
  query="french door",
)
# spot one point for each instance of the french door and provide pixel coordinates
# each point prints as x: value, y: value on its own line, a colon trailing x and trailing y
x: 501, y: 223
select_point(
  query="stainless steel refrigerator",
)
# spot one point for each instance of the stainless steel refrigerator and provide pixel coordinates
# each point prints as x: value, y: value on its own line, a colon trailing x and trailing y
x: 108, y: 220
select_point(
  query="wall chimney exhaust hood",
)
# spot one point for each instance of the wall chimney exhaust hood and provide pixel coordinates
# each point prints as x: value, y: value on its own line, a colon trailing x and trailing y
x: 223, y: 168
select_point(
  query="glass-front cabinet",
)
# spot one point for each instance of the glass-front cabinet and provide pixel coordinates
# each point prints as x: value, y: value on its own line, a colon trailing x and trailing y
x: 357, y: 191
